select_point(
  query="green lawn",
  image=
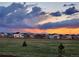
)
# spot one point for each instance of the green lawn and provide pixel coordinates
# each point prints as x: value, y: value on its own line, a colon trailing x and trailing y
x: 38, y: 47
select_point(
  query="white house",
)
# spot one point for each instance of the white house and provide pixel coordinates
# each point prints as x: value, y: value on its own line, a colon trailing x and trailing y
x: 54, y: 36
x: 18, y: 35
x: 67, y: 36
x: 3, y: 34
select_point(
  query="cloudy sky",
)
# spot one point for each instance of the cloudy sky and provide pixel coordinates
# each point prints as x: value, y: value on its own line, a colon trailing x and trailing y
x: 40, y: 17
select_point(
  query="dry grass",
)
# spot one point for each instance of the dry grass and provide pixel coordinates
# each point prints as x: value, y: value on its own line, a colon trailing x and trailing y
x: 38, y: 47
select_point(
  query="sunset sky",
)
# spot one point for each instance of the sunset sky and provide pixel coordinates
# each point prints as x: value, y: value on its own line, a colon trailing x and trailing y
x: 40, y: 17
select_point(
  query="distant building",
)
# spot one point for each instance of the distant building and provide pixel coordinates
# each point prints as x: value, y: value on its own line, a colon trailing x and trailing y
x: 77, y: 36
x: 54, y: 36
x: 74, y: 36
x: 2, y: 35
x: 18, y: 35
x: 9, y: 35
x: 67, y: 36
x: 26, y: 35
x: 38, y: 35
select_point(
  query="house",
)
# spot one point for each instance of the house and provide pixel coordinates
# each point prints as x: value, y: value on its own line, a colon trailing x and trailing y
x: 9, y: 35
x: 74, y: 36
x: 66, y: 36
x: 26, y: 35
x: 18, y: 35
x: 2, y: 35
x: 54, y: 36
x: 77, y: 36
x: 31, y: 36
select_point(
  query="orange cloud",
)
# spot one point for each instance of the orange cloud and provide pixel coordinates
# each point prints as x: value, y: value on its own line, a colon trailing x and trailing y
x: 29, y: 30
x: 64, y: 31
x: 35, y: 30
x: 51, y: 31
x: 54, y: 19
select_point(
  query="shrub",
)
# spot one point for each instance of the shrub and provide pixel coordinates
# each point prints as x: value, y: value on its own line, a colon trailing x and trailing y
x: 60, y: 50
x: 24, y: 44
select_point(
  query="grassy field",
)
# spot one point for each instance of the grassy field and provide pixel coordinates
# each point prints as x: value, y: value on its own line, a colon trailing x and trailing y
x: 38, y: 47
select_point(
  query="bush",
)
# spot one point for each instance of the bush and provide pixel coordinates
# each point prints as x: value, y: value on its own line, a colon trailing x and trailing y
x: 60, y: 50
x: 24, y: 44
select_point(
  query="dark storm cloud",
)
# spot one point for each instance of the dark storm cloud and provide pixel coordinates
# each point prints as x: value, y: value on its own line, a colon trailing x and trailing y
x: 9, y: 18
x: 56, y: 13
x: 67, y: 23
x: 71, y: 11
x: 13, y: 15
x: 69, y: 4
x: 2, y: 9
x: 36, y: 11
x: 5, y: 10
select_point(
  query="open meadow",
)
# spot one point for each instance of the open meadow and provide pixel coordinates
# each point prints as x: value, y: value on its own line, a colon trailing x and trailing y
x: 38, y: 47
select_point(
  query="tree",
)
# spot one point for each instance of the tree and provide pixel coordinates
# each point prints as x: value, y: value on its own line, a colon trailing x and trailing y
x: 24, y: 44
x: 60, y: 50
